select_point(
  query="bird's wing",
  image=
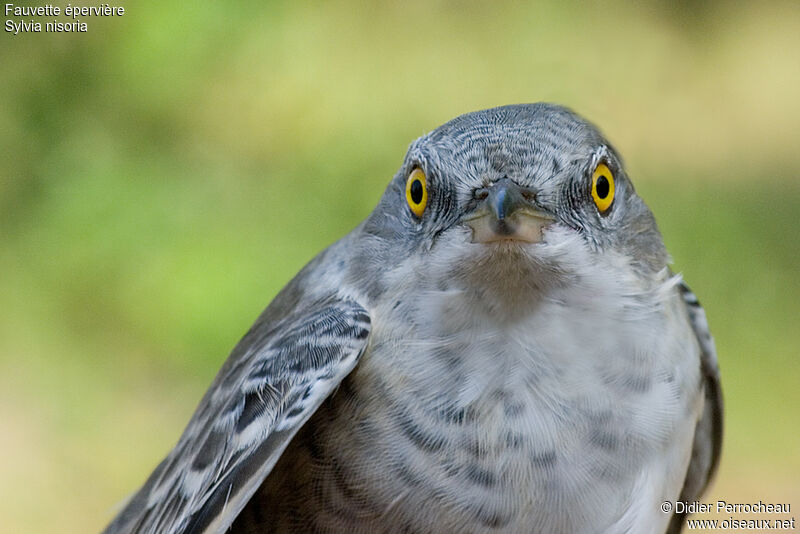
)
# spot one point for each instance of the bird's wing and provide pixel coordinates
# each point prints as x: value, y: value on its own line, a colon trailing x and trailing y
x: 708, y: 433
x: 274, y: 380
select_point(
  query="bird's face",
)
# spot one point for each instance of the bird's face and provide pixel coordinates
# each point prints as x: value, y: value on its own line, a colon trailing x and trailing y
x: 513, y: 198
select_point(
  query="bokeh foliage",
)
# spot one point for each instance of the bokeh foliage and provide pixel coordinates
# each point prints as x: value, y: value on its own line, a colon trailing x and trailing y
x: 164, y: 174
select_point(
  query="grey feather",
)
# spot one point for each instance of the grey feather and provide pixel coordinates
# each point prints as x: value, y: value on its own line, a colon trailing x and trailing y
x: 274, y: 380
x: 708, y: 434
x: 541, y: 370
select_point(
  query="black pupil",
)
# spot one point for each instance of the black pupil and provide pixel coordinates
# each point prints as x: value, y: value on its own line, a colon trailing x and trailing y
x: 416, y: 191
x: 602, y: 187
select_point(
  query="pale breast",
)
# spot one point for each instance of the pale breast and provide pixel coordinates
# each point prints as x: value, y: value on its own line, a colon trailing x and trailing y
x: 561, y: 422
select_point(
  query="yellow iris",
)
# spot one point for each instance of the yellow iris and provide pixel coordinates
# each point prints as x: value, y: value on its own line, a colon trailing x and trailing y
x: 603, y: 187
x: 417, y: 192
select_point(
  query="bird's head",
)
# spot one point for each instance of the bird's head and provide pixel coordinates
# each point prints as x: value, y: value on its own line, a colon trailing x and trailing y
x: 510, y: 200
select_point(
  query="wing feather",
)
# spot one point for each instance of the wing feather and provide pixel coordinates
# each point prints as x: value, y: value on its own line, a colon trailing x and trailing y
x: 708, y: 433
x: 272, y: 383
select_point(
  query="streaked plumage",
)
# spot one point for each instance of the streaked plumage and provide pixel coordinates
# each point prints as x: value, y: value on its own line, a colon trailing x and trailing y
x: 514, y: 359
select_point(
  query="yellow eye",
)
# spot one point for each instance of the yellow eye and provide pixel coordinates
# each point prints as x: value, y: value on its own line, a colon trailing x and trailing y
x: 417, y: 192
x: 602, y: 187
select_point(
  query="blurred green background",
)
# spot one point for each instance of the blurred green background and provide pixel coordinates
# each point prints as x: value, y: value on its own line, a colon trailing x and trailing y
x: 166, y: 173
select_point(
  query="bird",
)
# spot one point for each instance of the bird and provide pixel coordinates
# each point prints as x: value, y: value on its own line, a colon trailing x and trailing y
x: 500, y: 346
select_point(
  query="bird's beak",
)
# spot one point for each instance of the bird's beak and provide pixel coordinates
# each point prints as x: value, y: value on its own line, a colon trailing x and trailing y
x: 507, y: 212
